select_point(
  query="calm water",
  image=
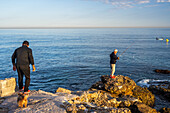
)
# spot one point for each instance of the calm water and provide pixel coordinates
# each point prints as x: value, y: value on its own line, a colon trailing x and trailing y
x: 76, y: 58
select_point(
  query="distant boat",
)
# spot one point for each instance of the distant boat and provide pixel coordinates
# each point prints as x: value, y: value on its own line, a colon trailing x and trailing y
x: 159, y: 38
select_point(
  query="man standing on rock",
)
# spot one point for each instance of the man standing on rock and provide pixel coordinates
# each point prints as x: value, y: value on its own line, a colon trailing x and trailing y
x: 24, y: 58
x: 113, y: 59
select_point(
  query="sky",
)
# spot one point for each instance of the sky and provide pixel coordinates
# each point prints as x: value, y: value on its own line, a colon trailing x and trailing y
x: 84, y: 13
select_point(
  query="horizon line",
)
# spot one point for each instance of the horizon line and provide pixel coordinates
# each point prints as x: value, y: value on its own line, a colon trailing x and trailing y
x: 83, y: 27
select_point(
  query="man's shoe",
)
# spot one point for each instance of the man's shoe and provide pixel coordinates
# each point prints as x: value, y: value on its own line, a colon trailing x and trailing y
x: 112, y: 76
x: 27, y: 92
x: 21, y: 90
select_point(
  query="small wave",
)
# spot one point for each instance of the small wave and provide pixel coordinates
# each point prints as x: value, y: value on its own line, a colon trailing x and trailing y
x: 148, y: 82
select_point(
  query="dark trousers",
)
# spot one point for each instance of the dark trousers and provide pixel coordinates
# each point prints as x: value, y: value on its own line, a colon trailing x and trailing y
x: 23, y: 70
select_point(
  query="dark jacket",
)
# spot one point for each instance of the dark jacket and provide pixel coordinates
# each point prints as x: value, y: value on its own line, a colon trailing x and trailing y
x: 23, y: 56
x: 113, y: 58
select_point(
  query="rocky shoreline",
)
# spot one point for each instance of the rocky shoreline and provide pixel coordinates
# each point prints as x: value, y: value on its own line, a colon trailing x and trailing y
x: 119, y: 95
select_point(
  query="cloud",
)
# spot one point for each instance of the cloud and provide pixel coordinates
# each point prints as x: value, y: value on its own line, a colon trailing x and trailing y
x: 133, y: 3
x: 144, y: 1
x: 163, y: 1
x: 125, y: 3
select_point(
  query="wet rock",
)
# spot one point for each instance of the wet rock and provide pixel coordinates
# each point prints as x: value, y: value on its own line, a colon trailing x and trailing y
x: 120, y: 85
x: 164, y: 110
x: 162, y: 90
x: 162, y: 71
x: 98, y: 85
x: 144, y: 95
x: 141, y: 108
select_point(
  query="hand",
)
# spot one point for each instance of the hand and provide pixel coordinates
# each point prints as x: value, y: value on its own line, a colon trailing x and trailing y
x: 33, y: 68
x: 14, y: 68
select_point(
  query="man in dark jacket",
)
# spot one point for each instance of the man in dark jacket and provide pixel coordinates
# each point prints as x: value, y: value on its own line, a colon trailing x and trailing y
x: 24, y: 58
x: 113, y: 59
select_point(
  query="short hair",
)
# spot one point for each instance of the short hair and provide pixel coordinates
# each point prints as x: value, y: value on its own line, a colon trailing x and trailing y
x: 26, y: 42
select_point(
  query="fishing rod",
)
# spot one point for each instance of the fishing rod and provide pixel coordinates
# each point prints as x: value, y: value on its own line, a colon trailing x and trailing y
x: 127, y: 49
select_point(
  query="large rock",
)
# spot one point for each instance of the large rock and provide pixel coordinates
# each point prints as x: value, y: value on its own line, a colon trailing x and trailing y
x: 122, y: 86
x: 38, y: 102
x: 141, y: 108
x: 97, y: 101
x: 7, y: 87
x: 144, y: 95
x: 88, y: 108
x: 63, y: 90
x: 164, y: 110
x: 162, y: 71
x: 161, y: 90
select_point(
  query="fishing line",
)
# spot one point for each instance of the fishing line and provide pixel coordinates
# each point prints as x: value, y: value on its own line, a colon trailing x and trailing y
x: 127, y: 49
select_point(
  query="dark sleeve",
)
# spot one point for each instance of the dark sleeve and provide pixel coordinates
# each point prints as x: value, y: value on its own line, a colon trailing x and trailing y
x: 31, y: 59
x: 115, y: 57
x: 13, y: 57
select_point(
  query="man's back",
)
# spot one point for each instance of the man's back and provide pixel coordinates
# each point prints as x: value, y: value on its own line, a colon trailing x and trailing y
x: 23, y: 55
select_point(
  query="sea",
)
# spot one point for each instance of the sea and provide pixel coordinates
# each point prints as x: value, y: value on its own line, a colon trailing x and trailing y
x: 76, y: 58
